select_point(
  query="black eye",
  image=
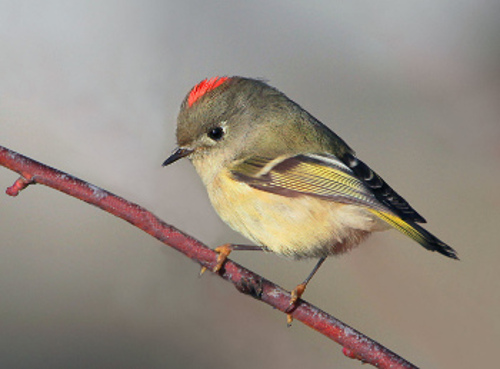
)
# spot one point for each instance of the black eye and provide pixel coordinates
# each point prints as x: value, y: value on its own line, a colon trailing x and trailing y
x: 216, y: 133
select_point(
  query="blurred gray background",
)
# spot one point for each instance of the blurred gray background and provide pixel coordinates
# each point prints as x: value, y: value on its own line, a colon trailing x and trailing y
x: 93, y: 88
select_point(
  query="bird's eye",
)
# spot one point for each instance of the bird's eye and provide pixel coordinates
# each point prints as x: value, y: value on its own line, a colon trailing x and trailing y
x: 216, y: 133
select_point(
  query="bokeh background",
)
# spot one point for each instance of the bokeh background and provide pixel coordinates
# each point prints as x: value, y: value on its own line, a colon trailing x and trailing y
x: 93, y: 88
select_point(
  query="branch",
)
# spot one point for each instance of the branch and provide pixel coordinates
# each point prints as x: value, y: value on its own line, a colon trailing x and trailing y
x: 355, y: 344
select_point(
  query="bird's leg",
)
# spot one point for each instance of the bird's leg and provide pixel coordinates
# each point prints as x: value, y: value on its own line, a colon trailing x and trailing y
x: 299, y: 290
x: 224, y: 252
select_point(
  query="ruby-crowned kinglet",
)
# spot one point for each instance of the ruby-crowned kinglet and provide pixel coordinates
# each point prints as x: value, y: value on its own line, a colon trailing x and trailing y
x: 281, y: 178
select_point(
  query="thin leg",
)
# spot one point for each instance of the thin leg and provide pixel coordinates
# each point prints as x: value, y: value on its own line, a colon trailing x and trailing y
x: 224, y: 252
x: 299, y: 290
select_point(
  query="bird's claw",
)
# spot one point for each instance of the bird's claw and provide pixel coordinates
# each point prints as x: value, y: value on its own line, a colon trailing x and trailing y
x: 223, y: 252
x: 296, y: 294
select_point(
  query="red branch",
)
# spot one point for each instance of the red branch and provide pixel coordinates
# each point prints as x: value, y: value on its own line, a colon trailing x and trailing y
x: 355, y: 344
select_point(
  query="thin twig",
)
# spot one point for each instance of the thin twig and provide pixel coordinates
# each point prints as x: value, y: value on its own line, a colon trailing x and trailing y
x: 355, y: 344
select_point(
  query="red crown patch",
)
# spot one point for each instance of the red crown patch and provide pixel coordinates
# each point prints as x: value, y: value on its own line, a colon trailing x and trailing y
x: 203, y: 87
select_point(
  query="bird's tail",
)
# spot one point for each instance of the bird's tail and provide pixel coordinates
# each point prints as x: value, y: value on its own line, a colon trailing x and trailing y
x: 417, y: 233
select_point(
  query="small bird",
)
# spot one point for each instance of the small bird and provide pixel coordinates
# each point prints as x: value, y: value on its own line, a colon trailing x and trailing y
x: 284, y: 180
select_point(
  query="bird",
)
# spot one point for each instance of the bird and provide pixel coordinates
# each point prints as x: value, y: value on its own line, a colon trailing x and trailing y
x: 284, y: 180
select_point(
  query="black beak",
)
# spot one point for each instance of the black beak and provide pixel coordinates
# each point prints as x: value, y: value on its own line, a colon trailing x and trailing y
x: 178, y: 154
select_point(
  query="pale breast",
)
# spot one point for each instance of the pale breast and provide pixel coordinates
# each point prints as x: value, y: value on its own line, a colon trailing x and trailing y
x: 301, y: 226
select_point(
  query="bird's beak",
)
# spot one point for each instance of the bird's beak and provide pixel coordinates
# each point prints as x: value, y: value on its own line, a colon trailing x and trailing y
x: 177, y: 154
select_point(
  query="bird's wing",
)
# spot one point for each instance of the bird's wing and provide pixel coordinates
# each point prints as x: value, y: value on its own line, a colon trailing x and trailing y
x: 322, y: 176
